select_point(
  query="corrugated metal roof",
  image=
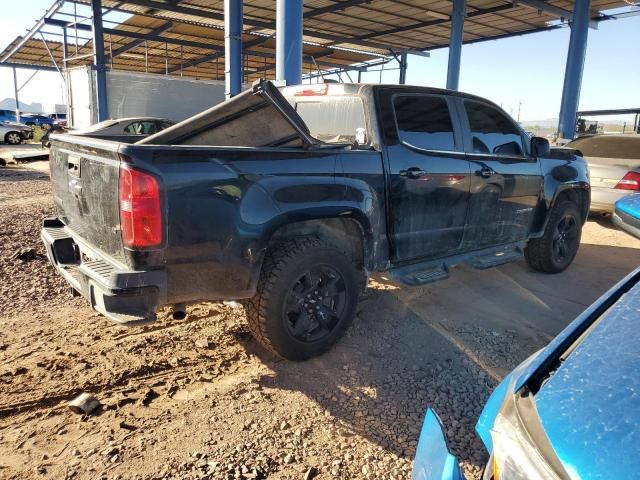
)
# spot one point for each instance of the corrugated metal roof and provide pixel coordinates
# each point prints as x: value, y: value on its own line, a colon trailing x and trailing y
x: 189, y: 39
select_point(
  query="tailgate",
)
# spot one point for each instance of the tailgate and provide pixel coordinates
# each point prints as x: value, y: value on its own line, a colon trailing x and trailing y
x: 85, y: 176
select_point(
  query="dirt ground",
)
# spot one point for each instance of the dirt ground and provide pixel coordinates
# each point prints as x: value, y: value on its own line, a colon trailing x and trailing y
x: 199, y: 399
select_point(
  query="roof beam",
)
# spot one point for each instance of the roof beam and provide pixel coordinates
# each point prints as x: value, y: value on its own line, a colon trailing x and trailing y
x: 35, y: 29
x: 134, y: 43
x: 27, y: 67
x: 174, y: 41
x: 429, y: 23
x: 542, y: 6
x: 252, y: 22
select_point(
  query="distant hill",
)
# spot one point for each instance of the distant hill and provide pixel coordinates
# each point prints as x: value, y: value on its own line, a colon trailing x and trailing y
x: 10, y: 104
x: 553, y: 122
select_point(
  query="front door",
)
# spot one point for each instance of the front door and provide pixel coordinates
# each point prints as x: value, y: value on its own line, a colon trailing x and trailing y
x: 428, y: 177
x: 506, y: 180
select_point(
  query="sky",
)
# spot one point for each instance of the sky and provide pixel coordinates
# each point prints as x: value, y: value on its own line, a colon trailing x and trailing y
x: 523, y: 72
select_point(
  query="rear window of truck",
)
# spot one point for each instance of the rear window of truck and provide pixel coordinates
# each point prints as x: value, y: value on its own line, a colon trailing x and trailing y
x: 331, y: 119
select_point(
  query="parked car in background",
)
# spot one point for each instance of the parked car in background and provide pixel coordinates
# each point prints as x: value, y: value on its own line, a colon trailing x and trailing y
x: 7, y: 115
x: 288, y: 200
x: 614, y: 164
x: 33, y: 119
x: 570, y: 411
x: 59, y: 119
x: 126, y: 127
x: 626, y: 214
x: 15, y: 133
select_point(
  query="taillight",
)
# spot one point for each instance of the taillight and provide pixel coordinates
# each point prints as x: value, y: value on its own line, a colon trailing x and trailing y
x: 140, y: 214
x: 631, y: 181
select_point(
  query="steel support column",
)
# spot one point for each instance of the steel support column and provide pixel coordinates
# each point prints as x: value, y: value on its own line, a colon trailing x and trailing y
x: 232, y: 47
x: 99, y: 59
x: 573, y: 71
x: 15, y: 92
x: 289, y: 23
x: 455, y: 44
x: 403, y: 68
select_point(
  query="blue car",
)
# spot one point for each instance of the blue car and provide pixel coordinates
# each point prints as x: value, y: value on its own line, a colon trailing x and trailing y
x: 33, y: 119
x: 7, y: 116
x: 570, y: 411
x: 626, y: 214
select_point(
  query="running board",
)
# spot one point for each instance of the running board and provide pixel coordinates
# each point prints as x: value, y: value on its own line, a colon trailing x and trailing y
x: 497, y: 258
x: 419, y: 276
x: 431, y: 271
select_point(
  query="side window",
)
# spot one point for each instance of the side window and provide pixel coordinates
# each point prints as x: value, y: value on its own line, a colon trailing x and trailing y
x: 141, y: 128
x: 492, y: 132
x: 424, y: 121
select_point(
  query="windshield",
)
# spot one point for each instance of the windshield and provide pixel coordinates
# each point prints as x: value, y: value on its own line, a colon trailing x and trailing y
x: 331, y: 119
x: 604, y: 146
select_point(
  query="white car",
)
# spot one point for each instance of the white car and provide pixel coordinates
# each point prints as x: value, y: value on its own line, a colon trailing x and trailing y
x: 14, y: 133
x: 614, y: 163
x: 134, y: 126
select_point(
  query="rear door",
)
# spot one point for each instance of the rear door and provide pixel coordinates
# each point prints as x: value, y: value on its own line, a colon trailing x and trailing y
x: 428, y: 174
x: 506, y: 180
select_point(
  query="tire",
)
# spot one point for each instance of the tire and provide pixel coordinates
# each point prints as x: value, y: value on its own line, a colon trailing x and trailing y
x: 556, y: 249
x: 13, y: 138
x: 305, y: 300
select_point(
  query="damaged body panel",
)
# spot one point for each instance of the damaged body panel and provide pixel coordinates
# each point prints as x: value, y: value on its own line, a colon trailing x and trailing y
x: 391, y: 176
x: 570, y: 410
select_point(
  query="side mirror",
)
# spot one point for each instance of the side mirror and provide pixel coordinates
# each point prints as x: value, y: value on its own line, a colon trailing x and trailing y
x: 540, y: 147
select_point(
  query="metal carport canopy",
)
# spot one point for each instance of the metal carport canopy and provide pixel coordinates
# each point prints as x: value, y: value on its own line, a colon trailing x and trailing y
x: 187, y: 37
x: 336, y: 35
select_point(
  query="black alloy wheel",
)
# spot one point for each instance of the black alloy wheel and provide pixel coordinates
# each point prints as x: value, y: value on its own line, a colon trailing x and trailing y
x: 565, y: 239
x: 315, y: 304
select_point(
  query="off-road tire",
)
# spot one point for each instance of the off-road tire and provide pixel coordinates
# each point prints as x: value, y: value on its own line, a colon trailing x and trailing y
x: 13, y: 138
x: 282, y: 266
x: 539, y: 252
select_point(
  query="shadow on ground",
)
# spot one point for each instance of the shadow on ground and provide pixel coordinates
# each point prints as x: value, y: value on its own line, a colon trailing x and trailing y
x: 444, y: 345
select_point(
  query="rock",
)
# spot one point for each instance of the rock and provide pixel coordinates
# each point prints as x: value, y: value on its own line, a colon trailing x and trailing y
x: 149, y: 396
x: 84, y: 403
x: 310, y: 474
x: 288, y: 458
x: 202, y: 343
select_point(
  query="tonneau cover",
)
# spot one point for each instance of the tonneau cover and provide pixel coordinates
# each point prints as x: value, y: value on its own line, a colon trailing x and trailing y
x: 258, y: 117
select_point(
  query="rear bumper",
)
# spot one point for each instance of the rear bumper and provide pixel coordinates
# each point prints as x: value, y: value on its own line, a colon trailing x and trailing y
x: 626, y: 222
x: 603, y: 199
x: 122, y: 295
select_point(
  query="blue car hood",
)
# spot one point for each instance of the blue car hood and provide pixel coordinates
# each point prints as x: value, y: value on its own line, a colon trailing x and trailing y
x: 590, y: 407
x: 629, y: 205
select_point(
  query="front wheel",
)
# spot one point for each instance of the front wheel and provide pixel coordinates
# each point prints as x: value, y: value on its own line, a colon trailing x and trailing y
x: 13, y: 138
x: 556, y: 249
x: 306, y: 298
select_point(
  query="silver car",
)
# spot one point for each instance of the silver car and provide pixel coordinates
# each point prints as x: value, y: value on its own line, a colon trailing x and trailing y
x: 614, y: 164
x: 14, y: 133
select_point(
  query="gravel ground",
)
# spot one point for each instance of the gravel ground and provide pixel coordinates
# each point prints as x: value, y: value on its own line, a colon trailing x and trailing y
x: 199, y: 399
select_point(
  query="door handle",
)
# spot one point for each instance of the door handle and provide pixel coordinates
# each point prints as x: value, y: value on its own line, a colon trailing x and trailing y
x: 413, y: 172
x: 486, y: 172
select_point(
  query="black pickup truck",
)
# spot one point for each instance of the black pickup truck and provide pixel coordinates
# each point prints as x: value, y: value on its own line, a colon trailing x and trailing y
x: 287, y: 199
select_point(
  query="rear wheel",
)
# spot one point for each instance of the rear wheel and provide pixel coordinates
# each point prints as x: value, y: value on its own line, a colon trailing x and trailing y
x: 305, y: 300
x: 554, y: 252
x: 13, y: 138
